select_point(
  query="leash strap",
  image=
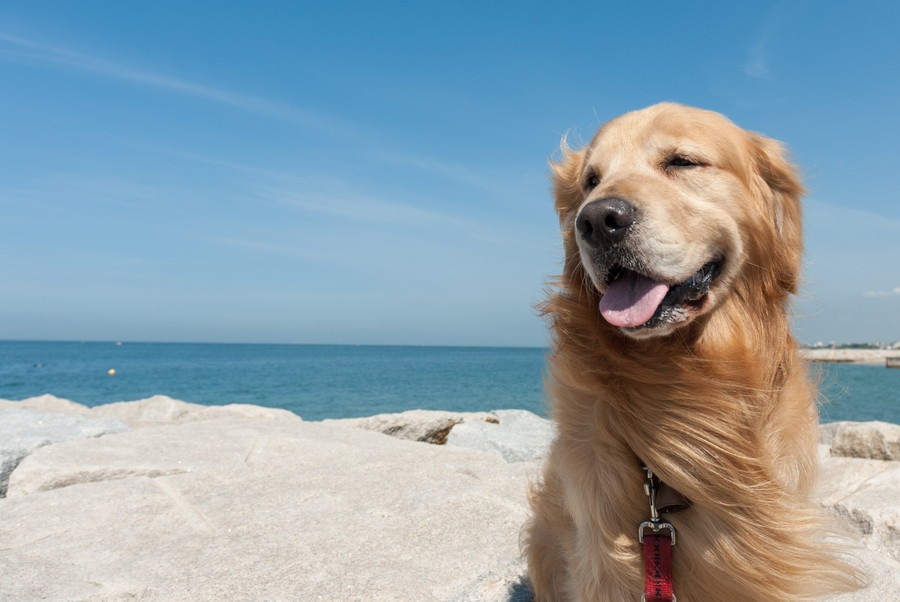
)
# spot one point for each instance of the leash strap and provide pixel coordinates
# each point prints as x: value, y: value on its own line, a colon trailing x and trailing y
x: 658, y: 568
x: 657, y: 538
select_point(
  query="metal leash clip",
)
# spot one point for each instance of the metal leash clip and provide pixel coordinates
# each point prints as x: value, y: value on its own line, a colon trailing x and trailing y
x: 655, y: 524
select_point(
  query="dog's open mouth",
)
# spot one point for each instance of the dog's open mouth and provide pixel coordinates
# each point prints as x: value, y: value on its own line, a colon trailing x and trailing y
x: 633, y: 300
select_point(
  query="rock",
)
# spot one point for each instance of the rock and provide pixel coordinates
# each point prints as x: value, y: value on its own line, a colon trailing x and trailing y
x: 863, y: 493
x: 428, y: 426
x: 239, y: 502
x: 23, y: 431
x: 160, y: 410
x: 43, y: 420
x: 883, y: 578
x: 827, y: 431
x: 875, y: 440
x: 517, y: 435
x: 156, y: 410
x: 255, y: 508
x: 46, y: 403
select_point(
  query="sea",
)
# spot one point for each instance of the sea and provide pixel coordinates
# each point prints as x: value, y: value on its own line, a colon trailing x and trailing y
x: 341, y: 381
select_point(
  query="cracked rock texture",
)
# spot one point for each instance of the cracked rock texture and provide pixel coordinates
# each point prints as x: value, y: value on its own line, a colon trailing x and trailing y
x: 249, y: 503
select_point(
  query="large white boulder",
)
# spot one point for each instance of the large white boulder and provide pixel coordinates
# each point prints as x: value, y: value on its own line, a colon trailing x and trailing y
x: 260, y: 508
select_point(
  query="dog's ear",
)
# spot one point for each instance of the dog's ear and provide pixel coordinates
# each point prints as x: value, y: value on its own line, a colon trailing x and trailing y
x: 566, y: 174
x: 780, y: 189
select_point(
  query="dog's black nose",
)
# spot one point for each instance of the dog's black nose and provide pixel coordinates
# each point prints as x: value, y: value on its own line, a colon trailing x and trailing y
x: 605, y: 220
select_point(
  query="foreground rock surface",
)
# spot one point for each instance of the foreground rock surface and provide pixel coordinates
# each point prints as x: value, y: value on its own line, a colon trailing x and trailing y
x: 269, y: 507
x: 24, y: 431
x: 247, y: 503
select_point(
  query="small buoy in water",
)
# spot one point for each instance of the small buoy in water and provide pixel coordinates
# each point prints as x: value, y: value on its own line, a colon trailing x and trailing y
x: 111, y: 372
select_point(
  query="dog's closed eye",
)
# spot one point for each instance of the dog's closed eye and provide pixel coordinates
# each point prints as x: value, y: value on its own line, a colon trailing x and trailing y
x: 680, y: 161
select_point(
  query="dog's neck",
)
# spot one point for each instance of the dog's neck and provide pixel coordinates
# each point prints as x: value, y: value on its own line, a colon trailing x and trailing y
x: 685, y: 404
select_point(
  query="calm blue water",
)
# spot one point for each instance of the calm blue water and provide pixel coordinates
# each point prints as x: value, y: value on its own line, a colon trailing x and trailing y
x: 313, y: 381
x: 858, y: 392
x: 326, y: 381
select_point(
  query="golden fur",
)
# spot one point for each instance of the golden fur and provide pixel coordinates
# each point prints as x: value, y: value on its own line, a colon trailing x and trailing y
x: 717, y: 403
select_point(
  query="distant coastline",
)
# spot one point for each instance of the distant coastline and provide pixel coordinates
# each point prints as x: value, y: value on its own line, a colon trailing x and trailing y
x: 850, y: 355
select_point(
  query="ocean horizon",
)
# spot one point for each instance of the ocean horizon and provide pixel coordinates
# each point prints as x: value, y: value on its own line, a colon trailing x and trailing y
x: 318, y: 381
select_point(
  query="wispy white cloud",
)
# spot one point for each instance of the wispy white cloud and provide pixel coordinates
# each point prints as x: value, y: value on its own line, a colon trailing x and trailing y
x: 15, y: 48
x: 757, y: 66
x: 878, y: 228
x: 334, y: 201
x: 306, y: 252
x: 452, y: 171
x: 206, y: 159
x: 895, y: 292
x: 849, y: 254
x: 366, y: 209
x: 758, y: 61
x: 20, y: 49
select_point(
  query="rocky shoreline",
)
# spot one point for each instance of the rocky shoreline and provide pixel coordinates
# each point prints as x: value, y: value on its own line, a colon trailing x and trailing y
x: 159, y: 499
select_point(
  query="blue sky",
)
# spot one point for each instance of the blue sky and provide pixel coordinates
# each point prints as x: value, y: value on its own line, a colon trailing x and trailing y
x: 376, y: 172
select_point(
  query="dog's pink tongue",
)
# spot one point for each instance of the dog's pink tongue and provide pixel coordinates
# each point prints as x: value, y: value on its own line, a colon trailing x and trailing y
x: 631, y: 300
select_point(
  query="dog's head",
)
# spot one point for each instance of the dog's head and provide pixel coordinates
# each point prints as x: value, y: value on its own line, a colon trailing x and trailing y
x: 671, y: 209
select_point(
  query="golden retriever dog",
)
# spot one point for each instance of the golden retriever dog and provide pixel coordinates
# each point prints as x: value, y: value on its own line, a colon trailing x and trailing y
x: 672, y: 350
